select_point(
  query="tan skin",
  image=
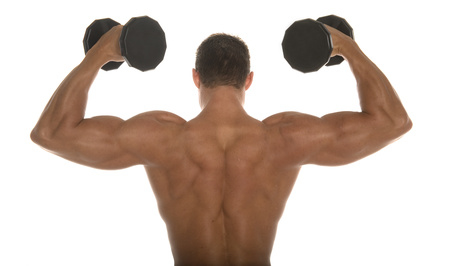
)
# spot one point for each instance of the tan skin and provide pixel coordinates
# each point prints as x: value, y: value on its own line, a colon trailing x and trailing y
x: 222, y: 179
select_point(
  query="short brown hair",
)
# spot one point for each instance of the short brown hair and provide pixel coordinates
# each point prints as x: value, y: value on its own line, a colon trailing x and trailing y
x: 222, y: 59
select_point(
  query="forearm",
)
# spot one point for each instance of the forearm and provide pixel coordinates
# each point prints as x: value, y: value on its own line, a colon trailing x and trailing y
x: 377, y: 96
x: 66, y: 108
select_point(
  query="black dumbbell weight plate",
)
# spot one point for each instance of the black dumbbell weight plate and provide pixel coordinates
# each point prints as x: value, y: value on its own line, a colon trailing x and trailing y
x: 143, y: 43
x: 307, y: 45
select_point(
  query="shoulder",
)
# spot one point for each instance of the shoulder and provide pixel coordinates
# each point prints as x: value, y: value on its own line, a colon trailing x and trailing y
x: 154, y: 125
x: 298, y: 134
x: 149, y: 135
x: 151, y: 125
x: 291, y: 119
x: 157, y: 117
x: 296, y: 127
x: 153, y: 122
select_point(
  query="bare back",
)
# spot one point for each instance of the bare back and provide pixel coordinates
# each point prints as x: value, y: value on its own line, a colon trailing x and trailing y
x: 221, y: 192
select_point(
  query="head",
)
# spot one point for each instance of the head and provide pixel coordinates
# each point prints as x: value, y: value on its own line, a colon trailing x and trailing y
x: 222, y: 60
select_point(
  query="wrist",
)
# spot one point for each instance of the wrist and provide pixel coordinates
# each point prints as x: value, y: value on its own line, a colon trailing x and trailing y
x: 96, y: 57
x: 350, y: 51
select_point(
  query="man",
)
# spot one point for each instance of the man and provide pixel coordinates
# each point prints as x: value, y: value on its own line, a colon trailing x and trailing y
x: 222, y: 179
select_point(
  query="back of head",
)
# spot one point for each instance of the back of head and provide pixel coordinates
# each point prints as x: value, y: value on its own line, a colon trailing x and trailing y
x: 223, y: 60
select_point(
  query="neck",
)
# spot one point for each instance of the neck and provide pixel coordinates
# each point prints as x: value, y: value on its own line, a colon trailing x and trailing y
x: 223, y: 101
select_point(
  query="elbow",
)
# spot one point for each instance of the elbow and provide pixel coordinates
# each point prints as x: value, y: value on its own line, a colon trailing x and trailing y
x: 36, y: 135
x: 41, y: 137
x: 403, y: 124
x: 408, y: 125
x: 399, y: 126
x: 392, y: 126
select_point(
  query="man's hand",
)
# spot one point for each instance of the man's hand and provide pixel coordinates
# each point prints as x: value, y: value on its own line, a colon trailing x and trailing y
x: 339, y: 40
x: 108, y: 47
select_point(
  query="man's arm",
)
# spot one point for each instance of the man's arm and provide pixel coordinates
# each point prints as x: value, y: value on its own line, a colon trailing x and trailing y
x: 100, y: 142
x: 345, y: 137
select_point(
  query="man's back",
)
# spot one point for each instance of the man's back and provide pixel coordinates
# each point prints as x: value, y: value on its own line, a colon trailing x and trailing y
x: 222, y: 190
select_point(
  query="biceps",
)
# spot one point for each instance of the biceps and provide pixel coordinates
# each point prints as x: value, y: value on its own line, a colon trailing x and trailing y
x: 352, y: 137
x: 345, y: 137
x: 94, y: 143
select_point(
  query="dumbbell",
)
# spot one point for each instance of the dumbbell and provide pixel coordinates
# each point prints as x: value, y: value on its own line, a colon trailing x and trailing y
x: 142, y: 42
x: 307, y: 43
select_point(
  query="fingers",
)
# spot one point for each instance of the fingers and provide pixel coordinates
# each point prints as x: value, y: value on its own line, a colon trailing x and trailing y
x: 335, y: 39
x: 109, y: 44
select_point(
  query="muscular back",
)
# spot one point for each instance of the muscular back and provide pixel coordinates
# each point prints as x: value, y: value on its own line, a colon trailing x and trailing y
x: 221, y: 190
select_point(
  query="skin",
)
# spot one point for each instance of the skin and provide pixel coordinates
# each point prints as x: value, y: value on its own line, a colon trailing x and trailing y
x: 222, y: 179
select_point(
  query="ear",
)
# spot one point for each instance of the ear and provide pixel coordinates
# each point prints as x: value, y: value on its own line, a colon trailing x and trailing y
x: 249, y: 80
x: 196, y: 78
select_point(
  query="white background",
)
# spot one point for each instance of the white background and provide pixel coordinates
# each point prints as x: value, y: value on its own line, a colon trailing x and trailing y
x: 392, y: 208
